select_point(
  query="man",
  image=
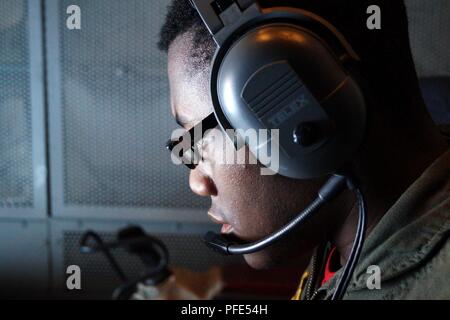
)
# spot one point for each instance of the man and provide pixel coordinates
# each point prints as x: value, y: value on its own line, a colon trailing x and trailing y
x: 403, y: 166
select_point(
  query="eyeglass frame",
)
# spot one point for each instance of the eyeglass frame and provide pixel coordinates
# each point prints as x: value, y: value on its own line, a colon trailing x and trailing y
x: 208, y: 123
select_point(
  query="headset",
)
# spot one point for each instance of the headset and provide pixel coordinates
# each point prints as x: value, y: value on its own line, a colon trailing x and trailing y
x: 288, y: 70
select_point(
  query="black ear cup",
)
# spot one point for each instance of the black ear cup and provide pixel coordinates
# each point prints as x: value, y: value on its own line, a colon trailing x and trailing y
x: 278, y: 75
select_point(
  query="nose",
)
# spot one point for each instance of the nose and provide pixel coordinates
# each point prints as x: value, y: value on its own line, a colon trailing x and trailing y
x: 201, y: 183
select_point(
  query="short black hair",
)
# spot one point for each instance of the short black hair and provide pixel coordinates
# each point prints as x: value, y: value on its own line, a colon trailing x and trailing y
x: 182, y: 18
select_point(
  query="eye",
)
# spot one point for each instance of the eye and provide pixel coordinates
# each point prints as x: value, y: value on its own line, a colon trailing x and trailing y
x: 206, y: 141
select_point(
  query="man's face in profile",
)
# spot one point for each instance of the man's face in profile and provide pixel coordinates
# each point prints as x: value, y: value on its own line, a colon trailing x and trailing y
x: 247, y: 204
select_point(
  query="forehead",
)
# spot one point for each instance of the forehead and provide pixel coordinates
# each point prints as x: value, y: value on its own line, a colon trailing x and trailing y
x: 189, y: 86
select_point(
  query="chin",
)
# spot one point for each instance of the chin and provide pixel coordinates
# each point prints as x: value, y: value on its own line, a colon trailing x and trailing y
x: 279, y: 255
x: 259, y: 260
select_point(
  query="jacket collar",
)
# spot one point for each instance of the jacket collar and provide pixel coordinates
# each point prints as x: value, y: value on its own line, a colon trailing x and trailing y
x: 408, y: 233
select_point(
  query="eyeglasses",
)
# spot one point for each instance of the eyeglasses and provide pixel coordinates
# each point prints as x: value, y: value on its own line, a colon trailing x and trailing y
x: 186, y: 146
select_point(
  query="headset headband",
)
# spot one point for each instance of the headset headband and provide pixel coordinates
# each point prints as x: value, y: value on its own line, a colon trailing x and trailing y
x: 223, y: 17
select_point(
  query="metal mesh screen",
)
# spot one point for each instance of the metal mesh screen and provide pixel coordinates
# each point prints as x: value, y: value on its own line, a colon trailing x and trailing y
x: 429, y: 27
x: 116, y: 114
x: 16, y: 166
x: 186, y: 251
x: 115, y: 101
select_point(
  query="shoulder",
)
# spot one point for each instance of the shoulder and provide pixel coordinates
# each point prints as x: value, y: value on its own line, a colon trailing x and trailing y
x: 428, y: 280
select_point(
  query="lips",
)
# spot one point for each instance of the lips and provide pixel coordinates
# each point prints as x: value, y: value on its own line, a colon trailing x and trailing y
x: 216, y: 218
x: 226, y: 229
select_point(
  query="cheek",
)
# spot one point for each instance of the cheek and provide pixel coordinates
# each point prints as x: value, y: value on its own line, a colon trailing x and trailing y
x: 237, y: 192
x: 235, y: 175
x: 254, y: 204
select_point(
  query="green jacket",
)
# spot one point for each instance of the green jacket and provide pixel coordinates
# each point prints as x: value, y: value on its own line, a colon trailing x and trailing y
x: 410, y: 244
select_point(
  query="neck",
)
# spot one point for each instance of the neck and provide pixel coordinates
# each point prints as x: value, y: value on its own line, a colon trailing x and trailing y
x: 385, y: 170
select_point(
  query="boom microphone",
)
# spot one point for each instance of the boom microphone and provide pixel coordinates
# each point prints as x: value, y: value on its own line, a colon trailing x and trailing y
x: 333, y: 187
